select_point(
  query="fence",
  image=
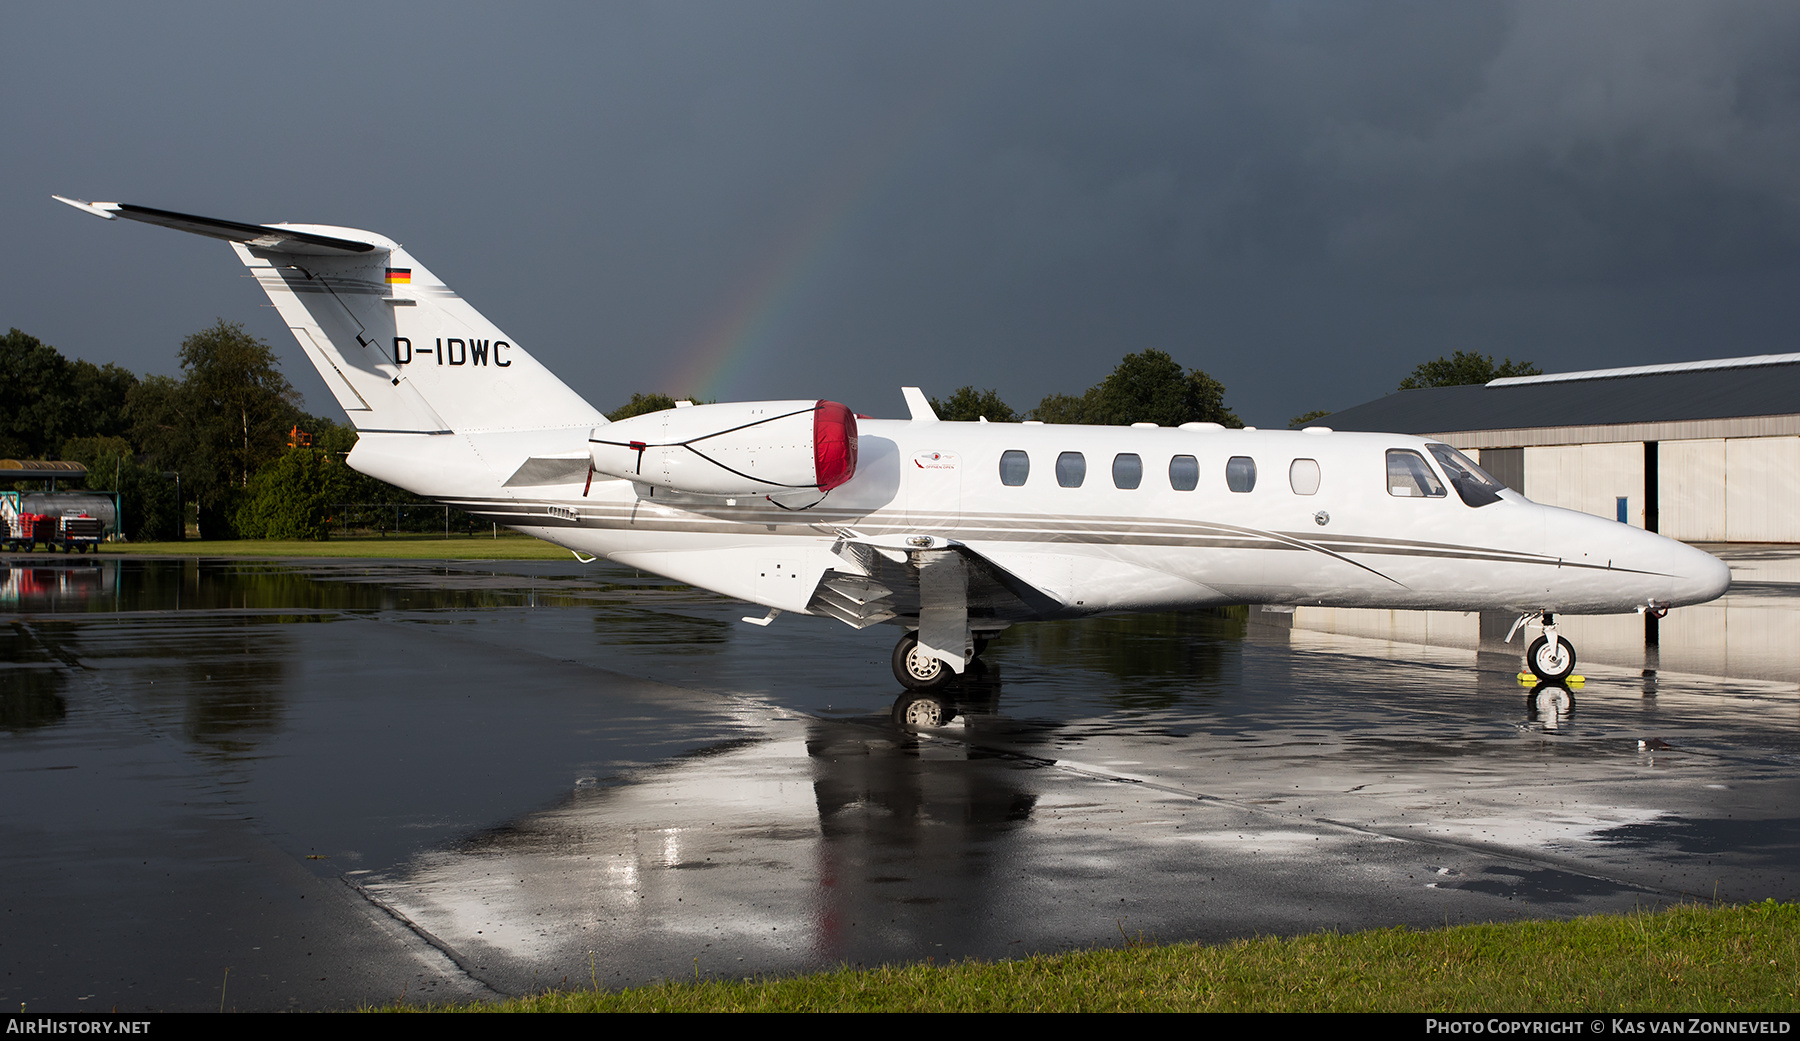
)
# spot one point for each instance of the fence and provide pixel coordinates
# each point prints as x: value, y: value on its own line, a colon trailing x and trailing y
x: 400, y: 518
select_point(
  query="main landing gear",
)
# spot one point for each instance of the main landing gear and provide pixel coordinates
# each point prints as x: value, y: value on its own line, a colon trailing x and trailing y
x: 915, y: 669
x: 1550, y: 657
x: 925, y: 676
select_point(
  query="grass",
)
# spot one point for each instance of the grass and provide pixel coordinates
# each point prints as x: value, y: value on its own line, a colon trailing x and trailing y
x: 1689, y: 959
x: 509, y: 546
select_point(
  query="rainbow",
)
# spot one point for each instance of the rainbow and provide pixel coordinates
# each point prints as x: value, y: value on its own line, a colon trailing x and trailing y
x: 743, y: 329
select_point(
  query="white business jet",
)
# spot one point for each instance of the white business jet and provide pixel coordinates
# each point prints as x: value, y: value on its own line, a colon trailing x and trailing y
x: 953, y: 531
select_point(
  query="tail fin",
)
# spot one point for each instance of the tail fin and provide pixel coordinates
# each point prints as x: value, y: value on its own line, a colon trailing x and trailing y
x: 400, y: 351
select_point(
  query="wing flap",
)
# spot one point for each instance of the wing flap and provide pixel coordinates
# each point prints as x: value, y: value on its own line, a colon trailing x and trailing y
x: 888, y: 584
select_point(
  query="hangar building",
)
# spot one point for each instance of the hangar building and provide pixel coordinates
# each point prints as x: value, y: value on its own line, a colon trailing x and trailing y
x: 1705, y: 451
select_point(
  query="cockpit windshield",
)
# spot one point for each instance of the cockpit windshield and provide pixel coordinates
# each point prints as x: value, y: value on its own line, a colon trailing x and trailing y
x: 1474, y: 484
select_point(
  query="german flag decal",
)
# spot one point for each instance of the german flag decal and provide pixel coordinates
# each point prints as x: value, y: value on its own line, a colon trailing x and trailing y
x: 399, y: 276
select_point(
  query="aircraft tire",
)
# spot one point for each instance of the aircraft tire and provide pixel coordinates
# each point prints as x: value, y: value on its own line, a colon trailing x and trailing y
x: 918, y: 708
x: 1546, y: 663
x: 917, y: 671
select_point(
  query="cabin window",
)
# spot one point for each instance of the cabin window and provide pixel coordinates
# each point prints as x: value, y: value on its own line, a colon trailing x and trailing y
x: 1184, y: 473
x: 1474, y: 484
x: 1408, y: 476
x: 1303, y: 476
x: 1240, y: 473
x: 1128, y: 470
x: 1071, y: 469
x: 1015, y: 466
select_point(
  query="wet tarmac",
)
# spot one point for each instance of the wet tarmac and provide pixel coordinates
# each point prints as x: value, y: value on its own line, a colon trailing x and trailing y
x: 314, y: 784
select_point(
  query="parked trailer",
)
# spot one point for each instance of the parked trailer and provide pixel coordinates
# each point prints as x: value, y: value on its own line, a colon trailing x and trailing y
x: 70, y: 534
x: 31, y: 529
x: 79, y: 533
x: 74, y: 522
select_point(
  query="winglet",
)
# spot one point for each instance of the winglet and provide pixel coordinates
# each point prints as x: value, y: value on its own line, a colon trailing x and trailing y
x: 108, y: 210
x: 917, y: 404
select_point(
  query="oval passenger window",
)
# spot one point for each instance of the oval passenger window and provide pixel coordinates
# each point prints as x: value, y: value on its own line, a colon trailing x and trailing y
x: 1184, y: 473
x: 1240, y: 473
x: 1015, y: 466
x: 1128, y: 470
x: 1303, y: 476
x: 1071, y: 469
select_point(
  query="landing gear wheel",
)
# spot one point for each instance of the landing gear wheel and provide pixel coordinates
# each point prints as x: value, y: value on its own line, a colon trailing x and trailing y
x: 1553, y: 664
x: 917, y: 670
x: 920, y: 709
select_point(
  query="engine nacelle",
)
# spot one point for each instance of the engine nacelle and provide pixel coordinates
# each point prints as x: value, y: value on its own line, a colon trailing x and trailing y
x: 732, y: 448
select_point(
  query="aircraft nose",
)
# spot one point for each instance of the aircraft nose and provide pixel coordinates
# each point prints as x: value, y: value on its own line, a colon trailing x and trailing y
x: 1699, y: 576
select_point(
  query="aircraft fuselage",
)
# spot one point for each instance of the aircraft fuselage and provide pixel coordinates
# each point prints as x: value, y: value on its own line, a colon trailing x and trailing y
x: 1096, y: 546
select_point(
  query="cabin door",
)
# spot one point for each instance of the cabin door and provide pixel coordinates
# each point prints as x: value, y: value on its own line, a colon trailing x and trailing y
x: 934, y: 490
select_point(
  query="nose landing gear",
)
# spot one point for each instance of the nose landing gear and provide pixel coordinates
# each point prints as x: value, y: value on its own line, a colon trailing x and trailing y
x: 1550, y: 657
x: 1551, y: 661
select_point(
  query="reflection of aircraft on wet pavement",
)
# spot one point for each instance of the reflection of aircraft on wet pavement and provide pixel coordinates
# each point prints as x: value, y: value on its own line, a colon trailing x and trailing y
x: 953, y: 530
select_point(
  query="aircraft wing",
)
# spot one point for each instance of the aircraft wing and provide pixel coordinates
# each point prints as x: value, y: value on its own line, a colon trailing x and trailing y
x: 891, y: 584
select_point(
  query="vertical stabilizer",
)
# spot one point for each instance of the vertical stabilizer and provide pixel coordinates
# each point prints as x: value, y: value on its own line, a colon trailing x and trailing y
x: 400, y: 351
x: 403, y: 353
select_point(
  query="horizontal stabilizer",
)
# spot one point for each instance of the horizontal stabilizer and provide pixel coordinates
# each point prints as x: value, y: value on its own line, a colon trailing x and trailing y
x: 272, y: 237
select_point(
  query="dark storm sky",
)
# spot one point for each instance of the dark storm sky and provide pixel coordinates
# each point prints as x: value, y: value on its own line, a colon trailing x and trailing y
x: 772, y: 199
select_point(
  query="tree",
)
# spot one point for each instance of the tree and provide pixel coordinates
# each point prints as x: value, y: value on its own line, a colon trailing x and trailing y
x: 641, y: 404
x: 159, y: 421
x: 1463, y: 369
x: 1061, y: 408
x: 45, y: 398
x: 645, y: 403
x: 968, y: 405
x: 1148, y: 387
x: 229, y: 415
x: 1307, y: 417
x: 290, y: 497
x: 245, y: 406
x: 32, y: 409
x: 97, y: 395
x: 148, y: 510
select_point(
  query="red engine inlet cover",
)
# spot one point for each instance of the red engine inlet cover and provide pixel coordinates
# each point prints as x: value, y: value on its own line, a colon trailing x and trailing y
x: 834, y: 444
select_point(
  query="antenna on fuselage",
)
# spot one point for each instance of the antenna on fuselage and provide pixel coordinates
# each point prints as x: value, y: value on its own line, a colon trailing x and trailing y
x: 918, y: 405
